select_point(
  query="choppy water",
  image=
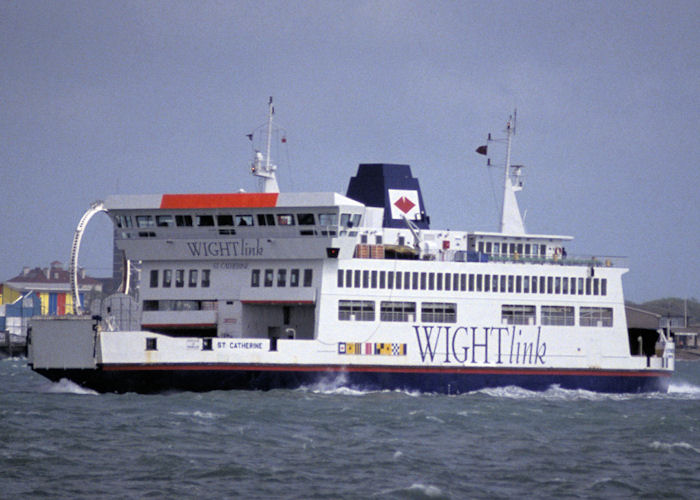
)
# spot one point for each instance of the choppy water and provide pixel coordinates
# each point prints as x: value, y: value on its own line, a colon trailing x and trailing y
x: 60, y: 441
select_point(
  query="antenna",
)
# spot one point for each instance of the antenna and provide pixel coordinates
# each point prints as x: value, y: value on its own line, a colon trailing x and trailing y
x: 511, y: 220
x: 265, y: 170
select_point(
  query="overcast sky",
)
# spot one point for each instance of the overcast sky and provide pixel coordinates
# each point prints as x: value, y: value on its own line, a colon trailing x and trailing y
x: 104, y: 97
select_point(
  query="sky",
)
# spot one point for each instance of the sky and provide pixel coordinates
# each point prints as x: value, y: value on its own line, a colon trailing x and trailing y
x: 101, y: 97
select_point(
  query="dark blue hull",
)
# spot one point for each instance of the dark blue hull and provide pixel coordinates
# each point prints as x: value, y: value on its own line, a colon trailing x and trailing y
x: 160, y: 378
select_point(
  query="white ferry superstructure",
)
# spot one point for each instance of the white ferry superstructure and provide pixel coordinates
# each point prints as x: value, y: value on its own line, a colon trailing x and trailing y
x: 269, y: 290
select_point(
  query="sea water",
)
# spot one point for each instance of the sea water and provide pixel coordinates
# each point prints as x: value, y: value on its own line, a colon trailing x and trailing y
x: 58, y: 440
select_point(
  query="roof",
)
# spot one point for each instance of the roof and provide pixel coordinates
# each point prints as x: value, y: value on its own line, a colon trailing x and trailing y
x: 55, y: 275
x: 226, y: 200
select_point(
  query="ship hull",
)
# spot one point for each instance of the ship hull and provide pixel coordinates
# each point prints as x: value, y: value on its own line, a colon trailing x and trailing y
x: 201, y: 378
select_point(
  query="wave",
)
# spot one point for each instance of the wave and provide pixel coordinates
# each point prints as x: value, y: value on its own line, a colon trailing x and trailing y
x: 657, y: 445
x: 683, y: 388
x: 65, y: 386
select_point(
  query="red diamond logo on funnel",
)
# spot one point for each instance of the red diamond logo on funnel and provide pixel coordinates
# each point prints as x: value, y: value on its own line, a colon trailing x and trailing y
x: 404, y: 204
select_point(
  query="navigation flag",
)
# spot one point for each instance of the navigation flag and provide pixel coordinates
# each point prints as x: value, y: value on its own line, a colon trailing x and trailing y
x: 482, y: 150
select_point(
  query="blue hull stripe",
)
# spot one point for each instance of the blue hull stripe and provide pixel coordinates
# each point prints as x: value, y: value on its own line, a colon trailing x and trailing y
x: 202, y: 377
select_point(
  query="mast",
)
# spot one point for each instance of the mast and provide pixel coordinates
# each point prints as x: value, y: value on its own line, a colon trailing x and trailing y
x: 262, y: 167
x: 511, y: 220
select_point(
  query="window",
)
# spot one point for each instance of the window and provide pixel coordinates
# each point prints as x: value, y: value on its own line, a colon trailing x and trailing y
x: 358, y: 276
x: 557, y: 285
x: 183, y: 220
x: 285, y: 219
x: 205, y: 220
x: 306, y: 219
x: 294, y: 277
x: 144, y: 221
x: 151, y: 344
x: 244, y: 220
x: 550, y: 284
x: 604, y: 286
x: 438, y: 312
x: 154, y: 278
x: 365, y: 279
x: 255, y: 278
x: 308, y: 277
x: 414, y: 281
x: 282, y: 277
x: 341, y: 273
x: 431, y: 281
x: 328, y: 219
x: 515, y: 314
x: 374, y: 279
x: 150, y: 305
x: 180, y: 278
x: 193, y: 278
x: 534, y: 284
x: 164, y: 220
x: 167, y: 278
x: 558, y: 315
x: 382, y: 279
x: 356, y: 310
x: 596, y: 316
x: 397, y: 311
x: 423, y: 277
x: 224, y: 220
x: 266, y: 220
x: 269, y: 274
x: 348, y: 278
x: 206, y: 276
x: 398, y: 280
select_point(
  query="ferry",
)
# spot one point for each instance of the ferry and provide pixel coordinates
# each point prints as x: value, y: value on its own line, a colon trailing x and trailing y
x: 271, y: 289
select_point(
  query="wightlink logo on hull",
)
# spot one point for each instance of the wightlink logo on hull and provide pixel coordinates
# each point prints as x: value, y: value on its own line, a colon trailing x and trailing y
x: 235, y: 248
x: 483, y: 345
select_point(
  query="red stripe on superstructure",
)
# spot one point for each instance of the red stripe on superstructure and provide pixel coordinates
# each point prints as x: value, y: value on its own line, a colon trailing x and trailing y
x: 223, y: 200
x: 380, y: 369
x: 279, y: 302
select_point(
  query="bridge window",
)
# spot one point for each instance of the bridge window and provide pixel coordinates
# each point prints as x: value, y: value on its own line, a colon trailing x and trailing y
x: 224, y: 220
x: 285, y: 220
x: 183, y: 220
x: 244, y: 220
x: 154, y: 278
x: 266, y: 220
x: 144, y: 221
x: 282, y: 277
x: 306, y: 219
x: 269, y: 273
x: 205, y: 220
x: 294, y: 277
x: 328, y: 219
x: 164, y: 220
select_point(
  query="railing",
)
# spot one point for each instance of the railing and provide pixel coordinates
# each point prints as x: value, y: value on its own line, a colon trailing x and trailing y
x: 364, y: 251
